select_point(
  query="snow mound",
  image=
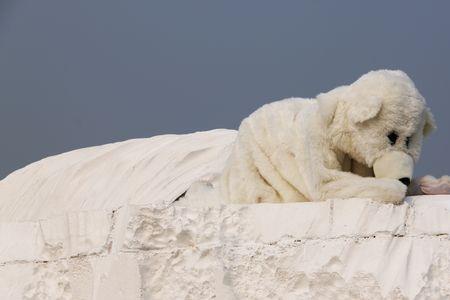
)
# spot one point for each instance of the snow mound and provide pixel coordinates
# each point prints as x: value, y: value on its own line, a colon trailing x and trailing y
x: 153, y: 170
x: 99, y: 223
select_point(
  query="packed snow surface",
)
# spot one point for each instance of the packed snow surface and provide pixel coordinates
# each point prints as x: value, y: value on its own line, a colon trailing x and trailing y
x: 147, y: 171
x: 100, y: 223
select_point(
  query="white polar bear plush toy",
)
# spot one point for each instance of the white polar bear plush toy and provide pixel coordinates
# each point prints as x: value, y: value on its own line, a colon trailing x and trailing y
x: 360, y: 140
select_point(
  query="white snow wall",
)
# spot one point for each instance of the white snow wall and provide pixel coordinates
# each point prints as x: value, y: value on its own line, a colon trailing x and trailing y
x: 98, y: 223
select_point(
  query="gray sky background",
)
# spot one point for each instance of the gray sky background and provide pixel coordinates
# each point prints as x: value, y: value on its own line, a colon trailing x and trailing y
x: 88, y: 72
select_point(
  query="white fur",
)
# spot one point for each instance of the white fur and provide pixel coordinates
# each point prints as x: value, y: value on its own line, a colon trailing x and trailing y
x: 313, y: 149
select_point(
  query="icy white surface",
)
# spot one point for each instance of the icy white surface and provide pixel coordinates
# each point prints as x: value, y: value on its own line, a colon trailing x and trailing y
x: 142, y: 171
x: 98, y: 223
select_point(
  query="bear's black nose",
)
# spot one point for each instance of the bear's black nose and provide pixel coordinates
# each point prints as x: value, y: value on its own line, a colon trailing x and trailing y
x: 405, y: 180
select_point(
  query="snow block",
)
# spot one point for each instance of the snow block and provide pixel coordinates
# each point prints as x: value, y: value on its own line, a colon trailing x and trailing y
x: 352, y: 248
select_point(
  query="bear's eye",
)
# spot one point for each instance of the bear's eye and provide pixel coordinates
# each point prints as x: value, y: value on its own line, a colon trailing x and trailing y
x: 408, y: 139
x: 393, y: 136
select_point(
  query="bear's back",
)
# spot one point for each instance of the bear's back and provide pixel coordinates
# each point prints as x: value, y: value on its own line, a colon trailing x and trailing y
x: 274, y: 114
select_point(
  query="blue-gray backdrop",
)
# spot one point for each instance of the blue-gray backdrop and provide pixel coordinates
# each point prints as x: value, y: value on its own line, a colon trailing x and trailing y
x: 87, y: 72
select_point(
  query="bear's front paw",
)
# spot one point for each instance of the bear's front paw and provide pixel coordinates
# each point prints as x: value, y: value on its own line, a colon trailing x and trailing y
x: 392, y: 191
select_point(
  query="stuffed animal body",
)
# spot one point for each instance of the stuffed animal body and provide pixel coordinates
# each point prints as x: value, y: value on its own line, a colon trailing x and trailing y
x: 359, y: 140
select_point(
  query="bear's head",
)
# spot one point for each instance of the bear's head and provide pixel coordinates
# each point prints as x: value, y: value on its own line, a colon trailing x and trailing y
x: 379, y: 121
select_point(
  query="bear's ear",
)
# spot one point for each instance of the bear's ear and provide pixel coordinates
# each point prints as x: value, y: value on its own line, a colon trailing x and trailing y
x: 363, y: 110
x: 430, y: 123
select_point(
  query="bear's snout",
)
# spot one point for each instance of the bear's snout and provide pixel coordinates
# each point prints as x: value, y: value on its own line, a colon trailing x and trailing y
x: 395, y: 165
